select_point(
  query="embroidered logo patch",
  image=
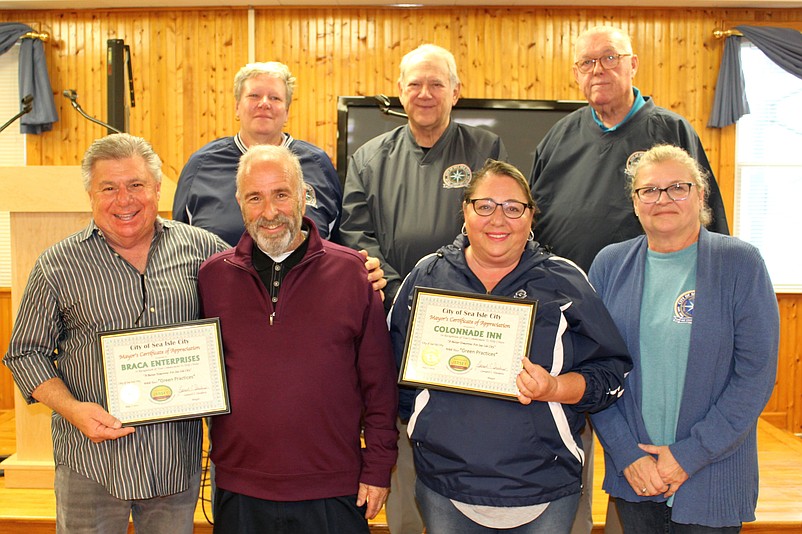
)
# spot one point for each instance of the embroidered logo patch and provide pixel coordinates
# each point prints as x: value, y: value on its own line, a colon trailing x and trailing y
x: 310, y: 196
x: 683, y: 307
x: 457, y: 176
x: 520, y: 294
x: 632, y: 162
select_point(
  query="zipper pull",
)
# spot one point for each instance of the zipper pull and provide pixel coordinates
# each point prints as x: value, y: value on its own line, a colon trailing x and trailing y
x: 271, y: 318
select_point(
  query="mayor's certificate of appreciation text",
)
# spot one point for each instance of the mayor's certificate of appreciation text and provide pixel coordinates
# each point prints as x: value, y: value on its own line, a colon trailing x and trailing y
x: 466, y: 342
x: 164, y: 373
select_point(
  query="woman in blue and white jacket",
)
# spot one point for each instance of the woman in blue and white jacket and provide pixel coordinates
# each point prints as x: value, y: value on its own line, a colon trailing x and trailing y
x: 484, y: 463
x: 700, y: 318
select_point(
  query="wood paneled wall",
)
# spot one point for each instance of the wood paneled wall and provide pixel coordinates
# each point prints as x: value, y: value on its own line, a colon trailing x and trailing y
x: 784, y: 409
x: 184, y: 62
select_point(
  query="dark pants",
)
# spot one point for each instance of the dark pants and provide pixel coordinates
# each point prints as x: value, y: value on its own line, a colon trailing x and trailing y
x: 240, y: 514
x: 655, y: 518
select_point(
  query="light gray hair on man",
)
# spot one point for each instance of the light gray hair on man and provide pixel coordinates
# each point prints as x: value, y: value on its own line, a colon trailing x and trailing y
x: 274, y: 154
x: 116, y: 147
x: 610, y: 31
x: 430, y: 50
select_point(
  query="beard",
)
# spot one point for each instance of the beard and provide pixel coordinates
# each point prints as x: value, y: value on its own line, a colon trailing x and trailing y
x: 278, y: 244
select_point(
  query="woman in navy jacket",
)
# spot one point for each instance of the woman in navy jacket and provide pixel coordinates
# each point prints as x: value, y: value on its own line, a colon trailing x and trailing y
x: 700, y: 318
x: 483, y: 463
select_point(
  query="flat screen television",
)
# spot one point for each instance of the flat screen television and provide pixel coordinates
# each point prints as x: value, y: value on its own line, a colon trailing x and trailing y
x: 521, y: 124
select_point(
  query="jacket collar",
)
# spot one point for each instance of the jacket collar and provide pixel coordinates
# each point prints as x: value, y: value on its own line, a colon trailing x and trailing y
x: 437, y: 148
x: 532, y: 258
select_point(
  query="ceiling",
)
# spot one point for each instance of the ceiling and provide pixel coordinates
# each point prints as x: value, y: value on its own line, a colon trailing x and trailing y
x: 100, y: 4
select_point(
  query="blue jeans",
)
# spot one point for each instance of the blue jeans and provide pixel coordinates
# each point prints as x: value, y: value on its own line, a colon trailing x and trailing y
x: 655, y: 518
x: 442, y: 517
x: 85, y: 507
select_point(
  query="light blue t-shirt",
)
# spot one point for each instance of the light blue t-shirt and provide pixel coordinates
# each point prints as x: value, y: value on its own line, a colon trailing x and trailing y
x: 669, y: 292
x: 636, y: 105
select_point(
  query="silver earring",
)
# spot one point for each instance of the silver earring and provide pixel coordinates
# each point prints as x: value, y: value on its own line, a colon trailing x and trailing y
x: 464, y: 231
x: 531, y: 236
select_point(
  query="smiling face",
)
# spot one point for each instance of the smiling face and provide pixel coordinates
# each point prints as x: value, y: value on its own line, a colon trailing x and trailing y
x: 497, y: 241
x: 674, y: 222
x: 125, y: 201
x: 427, y: 94
x: 272, y: 207
x: 262, y: 110
x: 606, y: 87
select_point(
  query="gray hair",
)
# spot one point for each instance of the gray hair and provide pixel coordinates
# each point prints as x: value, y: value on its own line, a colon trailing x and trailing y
x: 664, y: 153
x: 275, y: 154
x: 430, y: 50
x: 116, y: 147
x: 607, y: 30
x: 274, y: 69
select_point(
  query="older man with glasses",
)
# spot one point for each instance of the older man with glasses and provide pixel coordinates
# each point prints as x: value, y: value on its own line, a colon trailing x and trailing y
x: 580, y: 169
x: 580, y: 166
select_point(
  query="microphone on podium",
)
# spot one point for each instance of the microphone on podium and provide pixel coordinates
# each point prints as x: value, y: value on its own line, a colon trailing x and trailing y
x: 73, y: 98
x: 27, y: 107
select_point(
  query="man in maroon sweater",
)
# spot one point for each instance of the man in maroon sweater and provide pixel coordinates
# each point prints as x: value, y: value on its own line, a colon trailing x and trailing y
x: 309, y: 367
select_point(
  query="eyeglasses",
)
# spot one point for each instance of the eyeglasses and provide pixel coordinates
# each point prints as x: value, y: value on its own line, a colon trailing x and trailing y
x: 607, y: 62
x: 651, y: 195
x: 486, y: 207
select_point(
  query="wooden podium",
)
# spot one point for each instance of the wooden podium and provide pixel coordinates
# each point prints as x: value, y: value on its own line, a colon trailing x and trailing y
x: 46, y: 204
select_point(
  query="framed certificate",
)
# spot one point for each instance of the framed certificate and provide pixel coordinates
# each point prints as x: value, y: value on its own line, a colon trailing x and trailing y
x: 164, y: 373
x: 466, y: 343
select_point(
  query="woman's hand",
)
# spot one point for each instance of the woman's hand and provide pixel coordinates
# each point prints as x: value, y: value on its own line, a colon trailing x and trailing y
x: 643, y: 476
x: 667, y: 466
x: 535, y: 383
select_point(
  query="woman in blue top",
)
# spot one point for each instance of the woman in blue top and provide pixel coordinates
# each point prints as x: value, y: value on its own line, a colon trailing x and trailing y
x: 700, y: 318
x: 485, y: 464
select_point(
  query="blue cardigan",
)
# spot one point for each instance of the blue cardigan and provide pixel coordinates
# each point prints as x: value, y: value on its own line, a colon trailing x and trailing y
x: 732, y: 364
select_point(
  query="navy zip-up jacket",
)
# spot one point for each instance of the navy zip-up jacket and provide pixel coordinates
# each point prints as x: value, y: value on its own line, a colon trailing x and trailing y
x: 497, y: 452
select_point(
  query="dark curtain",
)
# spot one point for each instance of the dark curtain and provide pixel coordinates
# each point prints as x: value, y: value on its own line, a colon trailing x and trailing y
x: 33, y: 78
x: 781, y: 45
x: 730, y: 103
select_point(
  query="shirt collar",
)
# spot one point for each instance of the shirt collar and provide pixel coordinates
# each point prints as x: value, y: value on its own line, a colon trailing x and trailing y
x: 286, y: 140
x: 636, y: 105
x: 263, y: 262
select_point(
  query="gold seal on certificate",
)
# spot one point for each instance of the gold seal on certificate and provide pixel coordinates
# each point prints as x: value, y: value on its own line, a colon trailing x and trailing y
x: 466, y: 343
x: 164, y: 373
